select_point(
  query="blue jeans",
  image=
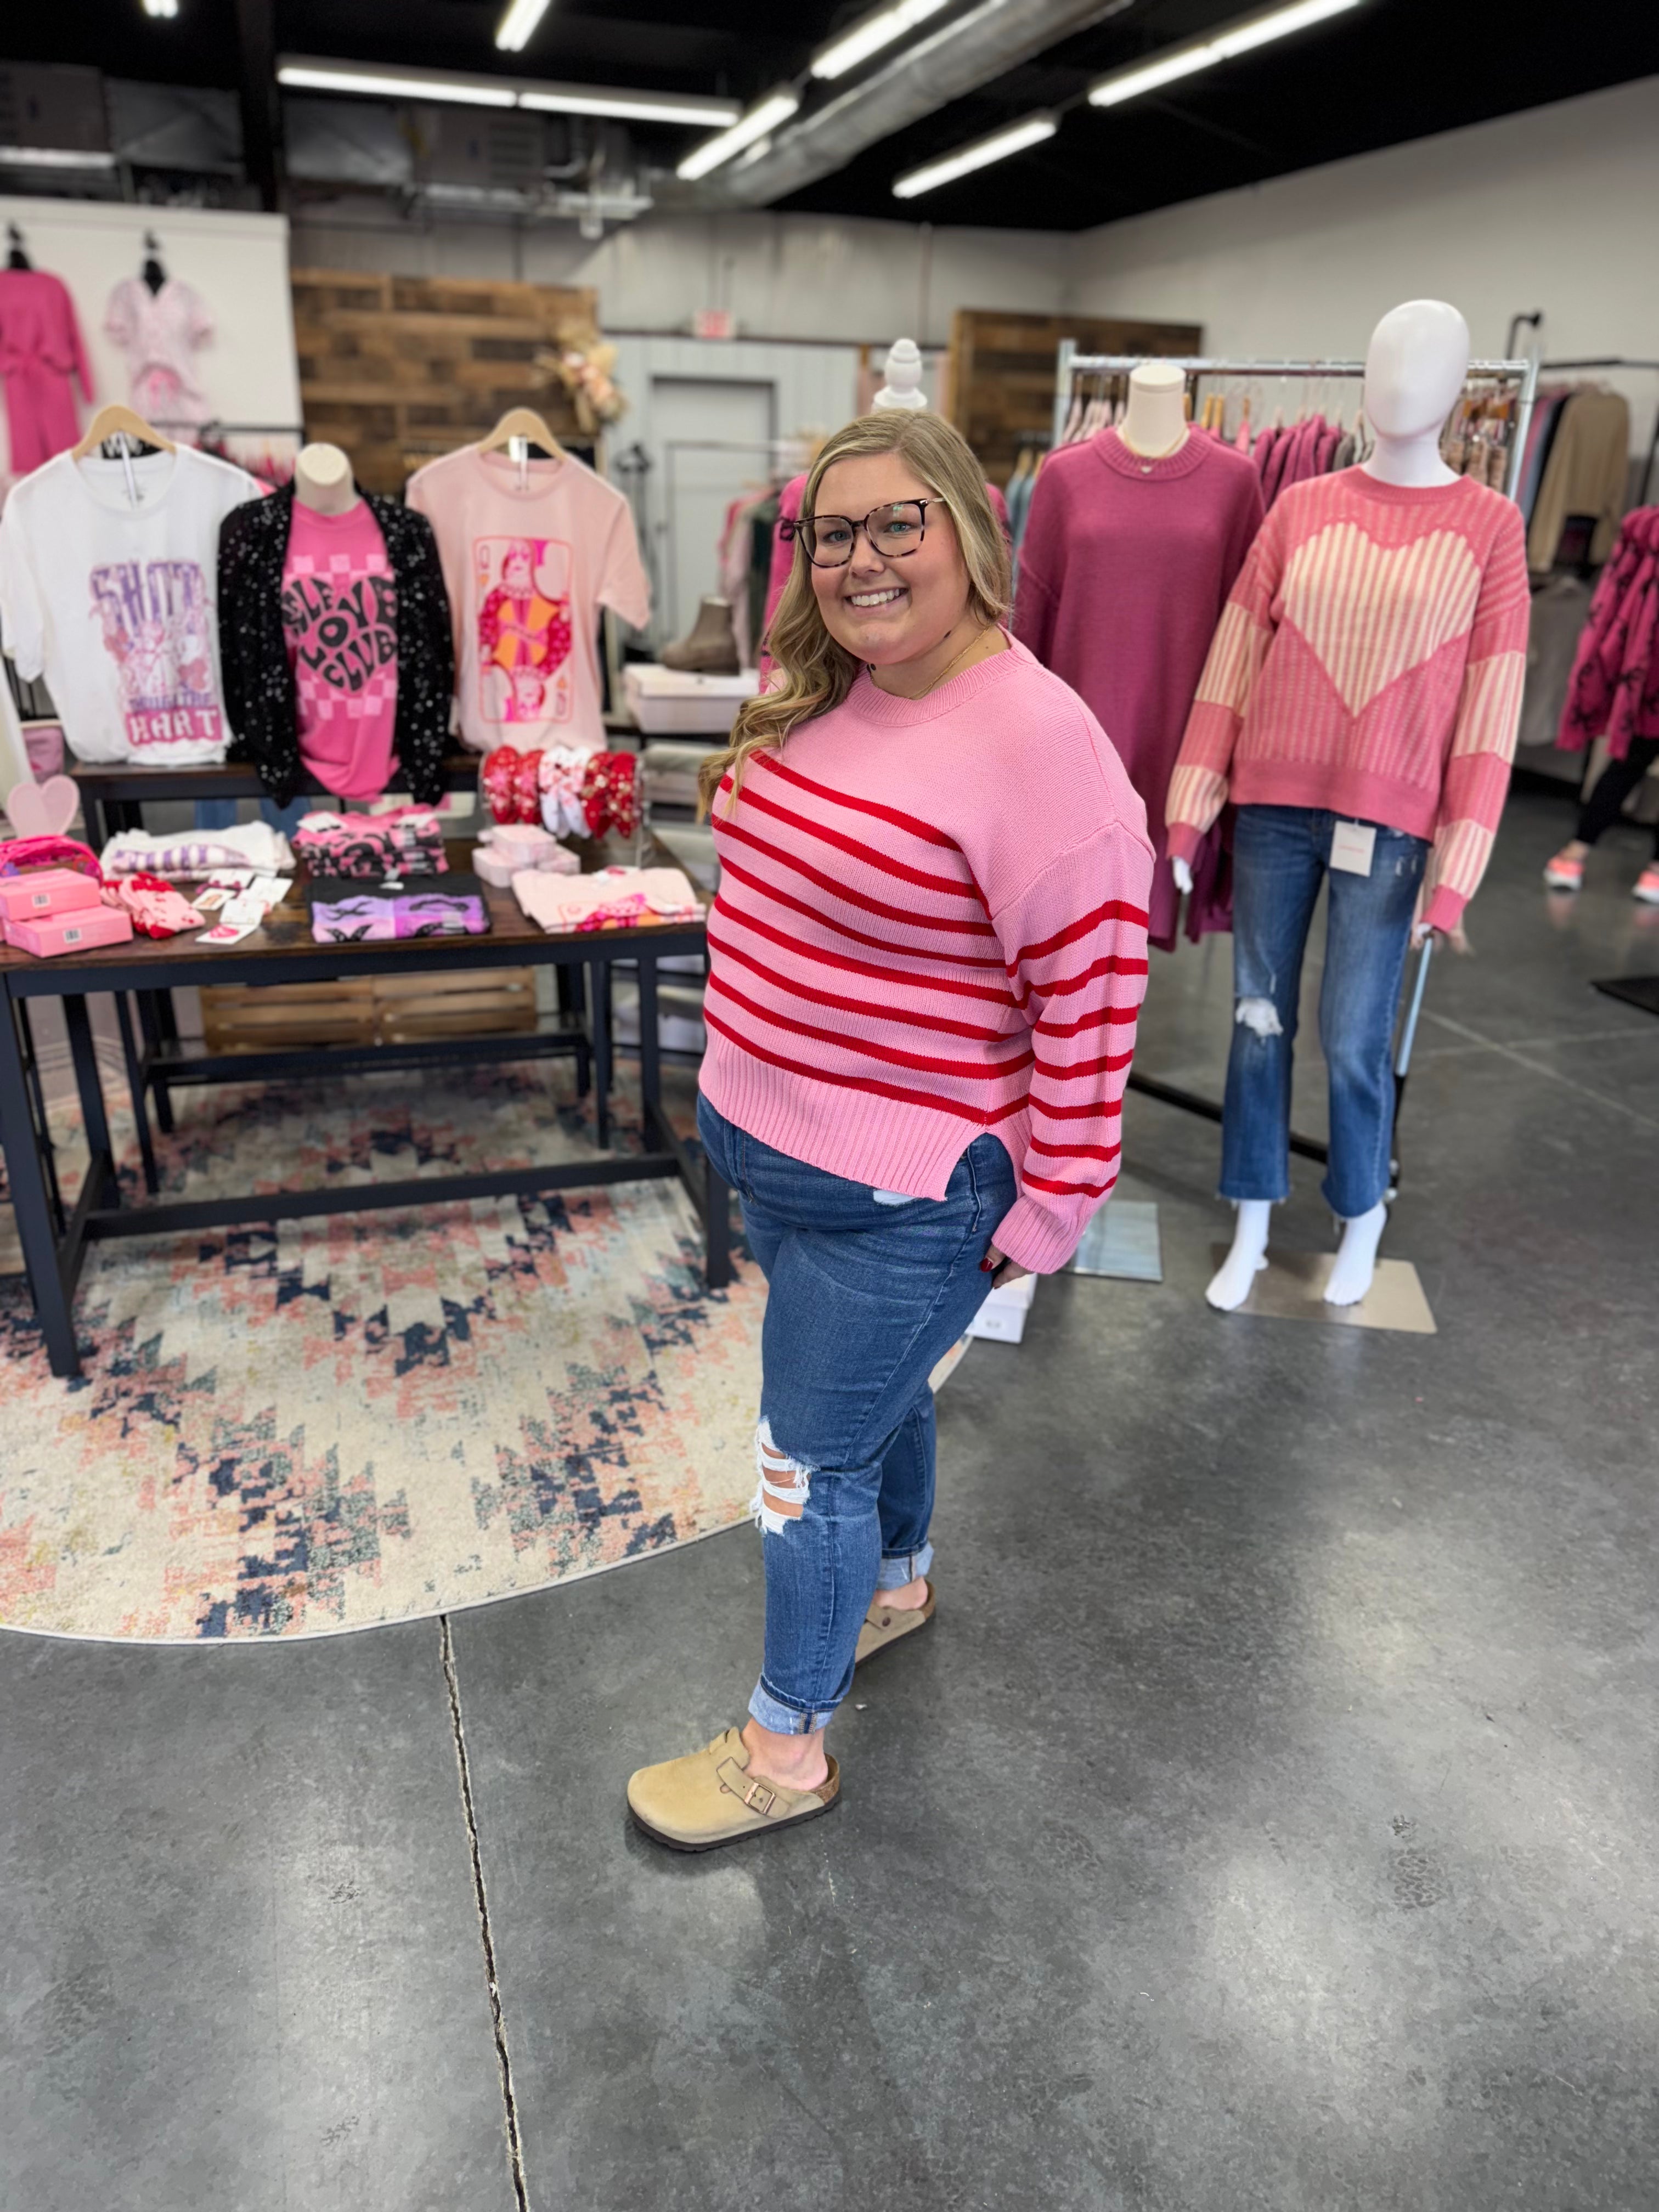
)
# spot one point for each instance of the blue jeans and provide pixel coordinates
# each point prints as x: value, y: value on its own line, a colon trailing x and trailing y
x: 1280, y: 855
x: 864, y: 1298
x: 220, y: 813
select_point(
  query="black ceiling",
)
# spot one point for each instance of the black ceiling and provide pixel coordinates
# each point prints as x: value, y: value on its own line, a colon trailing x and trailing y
x: 1391, y: 71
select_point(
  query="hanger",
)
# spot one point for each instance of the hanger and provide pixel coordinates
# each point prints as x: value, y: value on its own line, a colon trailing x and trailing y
x: 519, y: 429
x: 153, y: 273
x: 116, y: 420
x: 16, y: 259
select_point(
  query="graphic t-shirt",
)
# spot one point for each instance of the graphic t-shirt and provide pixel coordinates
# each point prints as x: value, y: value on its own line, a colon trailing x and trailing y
x: 527, y: 572
x: 340, y: 622
x: 107, y: 589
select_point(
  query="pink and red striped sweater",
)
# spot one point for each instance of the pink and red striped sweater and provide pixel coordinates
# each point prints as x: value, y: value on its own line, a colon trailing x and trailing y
x: 932, y: 923
x: 1370, y: 660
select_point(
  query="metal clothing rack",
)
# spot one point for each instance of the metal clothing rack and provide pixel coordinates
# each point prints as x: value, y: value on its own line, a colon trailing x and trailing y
x: 1070, y: 364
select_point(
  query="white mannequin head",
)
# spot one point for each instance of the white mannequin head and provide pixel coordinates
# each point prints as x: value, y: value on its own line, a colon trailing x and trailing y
x: 904, y: 374
x: 1155, y: 422
x: 1415, y: 365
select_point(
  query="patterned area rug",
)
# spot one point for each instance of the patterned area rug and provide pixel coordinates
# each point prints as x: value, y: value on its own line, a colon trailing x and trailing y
x: 372, y: 1417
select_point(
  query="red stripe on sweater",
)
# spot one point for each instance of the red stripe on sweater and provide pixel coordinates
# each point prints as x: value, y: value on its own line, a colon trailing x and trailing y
x: 839, y: 889
x: 1068, y: 1189
x: 982, y: 1118
x: 1099, y: 1019
x: 925, y: 830
x: 867, y: 853
x: 891, y: 1055
x: 1107, y: 1065
x: 1069, y: 984
x: 1114, y: 911
x: 910, y: 976
x: 827, y: 922
x: 1075, y: 1151
x: 1110, y: 1111
x: 904, y: 1016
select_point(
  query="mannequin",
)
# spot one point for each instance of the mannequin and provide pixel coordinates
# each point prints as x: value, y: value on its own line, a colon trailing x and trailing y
x: 904, y: 374
x: 322, y: 480
x: 1155, y: 422
x: 1363, y: 752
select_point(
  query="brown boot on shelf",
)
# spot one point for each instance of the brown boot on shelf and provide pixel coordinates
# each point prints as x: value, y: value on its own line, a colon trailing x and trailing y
x: 711, y: 649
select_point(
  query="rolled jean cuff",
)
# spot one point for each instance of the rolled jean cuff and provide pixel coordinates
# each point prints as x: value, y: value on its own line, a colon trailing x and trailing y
x: 898, y: 1568
x: 787, y: 1720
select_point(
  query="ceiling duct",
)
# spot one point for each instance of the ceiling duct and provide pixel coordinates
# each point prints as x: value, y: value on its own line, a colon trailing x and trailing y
x: 958, y: 58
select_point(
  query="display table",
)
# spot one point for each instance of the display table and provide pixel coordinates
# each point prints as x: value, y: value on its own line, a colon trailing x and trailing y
x: 54, y: 1240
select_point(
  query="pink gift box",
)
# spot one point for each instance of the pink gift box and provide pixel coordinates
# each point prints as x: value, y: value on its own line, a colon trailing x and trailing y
x: 76, y: 931
x: 45, y: 890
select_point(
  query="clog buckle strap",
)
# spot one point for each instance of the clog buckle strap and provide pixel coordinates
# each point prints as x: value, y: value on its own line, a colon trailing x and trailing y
x: 741, y: 1783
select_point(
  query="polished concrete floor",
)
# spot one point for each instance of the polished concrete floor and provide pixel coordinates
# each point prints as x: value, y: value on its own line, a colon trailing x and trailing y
x: 1268, y: 1822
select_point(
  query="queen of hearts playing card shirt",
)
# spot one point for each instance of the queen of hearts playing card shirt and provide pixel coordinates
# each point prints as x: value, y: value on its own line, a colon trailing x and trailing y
x: 531, y: 553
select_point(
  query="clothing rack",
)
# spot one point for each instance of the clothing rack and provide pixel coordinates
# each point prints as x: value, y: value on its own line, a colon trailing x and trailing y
x: 1070, y: 363
x: 1622, y: 361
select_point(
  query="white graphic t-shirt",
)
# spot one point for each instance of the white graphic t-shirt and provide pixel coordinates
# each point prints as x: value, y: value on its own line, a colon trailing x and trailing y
x: 527, y: 572
x: 108, y: 589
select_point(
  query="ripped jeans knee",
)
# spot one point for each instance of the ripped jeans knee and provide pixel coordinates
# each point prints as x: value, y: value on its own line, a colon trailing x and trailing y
x: 784, y: 1486
x: 1260, y: 1016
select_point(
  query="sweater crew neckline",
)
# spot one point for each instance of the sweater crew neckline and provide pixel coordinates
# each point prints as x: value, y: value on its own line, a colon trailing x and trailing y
x: 1188, y: 456
x: 868, y: 699
x: 1359, y: 479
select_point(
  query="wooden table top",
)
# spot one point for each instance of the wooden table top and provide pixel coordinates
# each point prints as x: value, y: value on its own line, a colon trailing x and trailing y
x: 287, y: 935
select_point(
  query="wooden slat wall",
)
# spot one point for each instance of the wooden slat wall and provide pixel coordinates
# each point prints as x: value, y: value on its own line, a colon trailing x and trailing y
x: 368, y: 1010
x: 397, y: 370
x: 1002, y: 371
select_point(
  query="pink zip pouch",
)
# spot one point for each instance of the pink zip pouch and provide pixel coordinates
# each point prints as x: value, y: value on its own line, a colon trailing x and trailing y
x: 76, y: 931
x: 47, y: 891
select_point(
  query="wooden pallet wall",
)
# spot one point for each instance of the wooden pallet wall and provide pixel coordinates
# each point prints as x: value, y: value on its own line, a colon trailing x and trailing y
x: 368, y: 1010
x: 1002, y: 372
x: 399, y: 369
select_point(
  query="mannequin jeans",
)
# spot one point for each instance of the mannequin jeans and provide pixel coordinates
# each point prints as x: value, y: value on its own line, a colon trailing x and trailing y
x: 865, y: 1297
x: 1281, y: 855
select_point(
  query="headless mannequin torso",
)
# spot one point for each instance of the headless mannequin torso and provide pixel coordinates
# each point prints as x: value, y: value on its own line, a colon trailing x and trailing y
x: 322, y: 480
x: 1415, y: 367
x: 1154, y: 425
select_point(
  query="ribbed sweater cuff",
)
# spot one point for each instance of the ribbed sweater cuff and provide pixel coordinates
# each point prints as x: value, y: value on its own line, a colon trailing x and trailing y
x: 1037, y: 1236
x: 1445, y: 909
x: 1184, y: 841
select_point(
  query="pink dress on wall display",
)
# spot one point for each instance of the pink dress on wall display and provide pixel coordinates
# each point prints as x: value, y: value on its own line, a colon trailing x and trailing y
x: 160, y: 333
x: 40, y: 350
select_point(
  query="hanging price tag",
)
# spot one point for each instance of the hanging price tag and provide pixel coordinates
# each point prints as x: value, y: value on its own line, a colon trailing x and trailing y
x: 1352, y: 847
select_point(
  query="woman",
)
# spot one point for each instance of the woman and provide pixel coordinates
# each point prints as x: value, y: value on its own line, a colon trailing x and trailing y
x: 926, y: 963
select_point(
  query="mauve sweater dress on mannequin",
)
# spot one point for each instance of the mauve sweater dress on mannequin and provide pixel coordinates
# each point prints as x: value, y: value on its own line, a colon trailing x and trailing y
x: 1124, y: 569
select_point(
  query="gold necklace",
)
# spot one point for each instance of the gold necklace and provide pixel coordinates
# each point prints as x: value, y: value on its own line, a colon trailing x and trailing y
x: 978, y: 638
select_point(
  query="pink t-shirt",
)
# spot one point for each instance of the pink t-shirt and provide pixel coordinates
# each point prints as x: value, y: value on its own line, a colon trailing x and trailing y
x: 340, y: 621
x: 528, y: 570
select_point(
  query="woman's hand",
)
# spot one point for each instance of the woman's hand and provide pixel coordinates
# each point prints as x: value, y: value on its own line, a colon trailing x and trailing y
x: 1001, y: 1269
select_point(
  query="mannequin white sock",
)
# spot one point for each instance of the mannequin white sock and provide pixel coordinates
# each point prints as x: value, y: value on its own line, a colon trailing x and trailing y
x: 1247, y: 1258
x: 1356, y: 1257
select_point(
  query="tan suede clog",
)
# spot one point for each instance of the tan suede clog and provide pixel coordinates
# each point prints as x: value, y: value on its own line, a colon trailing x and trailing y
x: 709, y: 1798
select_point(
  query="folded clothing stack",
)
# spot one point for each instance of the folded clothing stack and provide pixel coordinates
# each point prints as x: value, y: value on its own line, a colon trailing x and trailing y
x: 614, y: 898
x: 197, y: 852
x: 506, y: 848
x: 408, y: 842
x: 343, y: 912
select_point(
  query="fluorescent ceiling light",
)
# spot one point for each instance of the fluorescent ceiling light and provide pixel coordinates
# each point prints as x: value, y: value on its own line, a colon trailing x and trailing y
x: 306, y: 74
x: 871, y: 35
x: 1030, y: 130
x: 777, y: 108
x: 1240, y: 38
x: 514, y: 33
x: 324, y: 77
x: 52, y: 157
x: 633, y: 107
x: 160, y: 7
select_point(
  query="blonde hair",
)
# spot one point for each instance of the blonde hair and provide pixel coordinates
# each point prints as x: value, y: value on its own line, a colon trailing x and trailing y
x: 817, y: 672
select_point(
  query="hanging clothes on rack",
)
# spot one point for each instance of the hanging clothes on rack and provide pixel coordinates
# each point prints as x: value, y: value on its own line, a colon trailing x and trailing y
x: 41, y: 351
x: 1612, y: 691
x: 1585, y: 474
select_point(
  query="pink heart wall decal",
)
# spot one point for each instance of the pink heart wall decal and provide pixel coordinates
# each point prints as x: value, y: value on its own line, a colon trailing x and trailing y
x: 43, y: 810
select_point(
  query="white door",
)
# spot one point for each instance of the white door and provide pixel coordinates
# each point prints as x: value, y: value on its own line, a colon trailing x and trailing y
x: 712, y: 438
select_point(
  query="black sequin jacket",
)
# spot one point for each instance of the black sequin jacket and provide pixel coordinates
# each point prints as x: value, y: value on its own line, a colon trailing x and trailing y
x: 261, y: 699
